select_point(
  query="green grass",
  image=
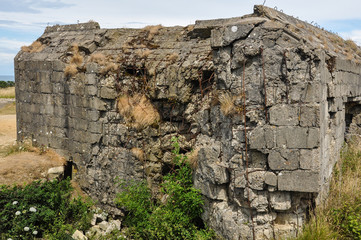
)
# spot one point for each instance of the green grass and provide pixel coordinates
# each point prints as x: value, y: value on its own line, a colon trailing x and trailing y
x: 340, y: 216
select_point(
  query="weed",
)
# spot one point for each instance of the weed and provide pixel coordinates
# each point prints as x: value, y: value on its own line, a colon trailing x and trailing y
x: 25, y: 146
x: 176, y: 218
x: 340, y: 216
x: 35, y: 47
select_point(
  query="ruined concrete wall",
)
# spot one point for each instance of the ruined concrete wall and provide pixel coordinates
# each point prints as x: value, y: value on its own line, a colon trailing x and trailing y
x: 262, y: 99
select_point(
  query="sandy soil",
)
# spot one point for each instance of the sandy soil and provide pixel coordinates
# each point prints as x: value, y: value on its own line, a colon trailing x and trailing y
x: 25, y: 166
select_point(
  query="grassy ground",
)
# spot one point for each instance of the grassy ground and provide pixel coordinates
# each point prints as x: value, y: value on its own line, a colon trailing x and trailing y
x: 9, y: 109
x: 7, y: 92
x: 340, y: 216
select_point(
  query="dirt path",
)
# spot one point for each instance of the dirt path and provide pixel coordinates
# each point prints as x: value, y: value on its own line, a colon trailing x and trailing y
x: 25, y: 166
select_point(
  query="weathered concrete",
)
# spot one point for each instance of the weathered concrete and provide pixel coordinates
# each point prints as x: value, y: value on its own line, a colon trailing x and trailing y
x: 134, y: 89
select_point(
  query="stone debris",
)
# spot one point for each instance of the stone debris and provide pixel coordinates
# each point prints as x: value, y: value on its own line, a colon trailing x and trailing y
x: 55, y: 173
x: 266, y: 99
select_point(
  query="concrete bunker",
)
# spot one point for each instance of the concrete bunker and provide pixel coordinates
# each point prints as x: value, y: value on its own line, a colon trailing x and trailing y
x: 264, y: 98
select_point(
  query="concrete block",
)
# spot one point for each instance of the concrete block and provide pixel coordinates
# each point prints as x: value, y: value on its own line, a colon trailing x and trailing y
x: 280, y: 201
x: 283, y: 159
x: 310, y: 116
x: 298, y: 181
x: 256, y: 180
x: 270, y: 179
x: 93, y: 115
x: 221, y: 37
x: 310, y: 159
x: 91, y: 90
x: 284, y: 115
x: 95, y: 127
x: 257, y: 138
x: 297, y: 137
x: 108, y: 93
x: 57, y: 77
x: 97, y: 104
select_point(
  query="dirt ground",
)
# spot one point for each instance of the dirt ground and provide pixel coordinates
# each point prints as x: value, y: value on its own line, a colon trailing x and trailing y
x: 23, y: 167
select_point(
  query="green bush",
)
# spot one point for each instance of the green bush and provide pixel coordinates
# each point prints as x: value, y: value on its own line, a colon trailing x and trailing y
x: 41, y: 209
x: 6, y: 84
x: 148, y: 218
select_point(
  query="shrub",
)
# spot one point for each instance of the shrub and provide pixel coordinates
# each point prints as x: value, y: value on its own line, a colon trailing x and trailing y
x: 174, y: 218
x: 41, y: 209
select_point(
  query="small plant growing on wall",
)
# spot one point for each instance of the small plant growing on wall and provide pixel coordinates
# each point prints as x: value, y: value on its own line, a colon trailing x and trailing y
x: 138, y: 111
x: 175, y: 217
x: 35, y: 47
x: 76, y: 61
x: 228, y: 104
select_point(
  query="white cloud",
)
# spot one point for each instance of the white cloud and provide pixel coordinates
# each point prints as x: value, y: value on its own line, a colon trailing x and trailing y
x: 6, y: 58
x: 12, y: 45
x: 355, y: 35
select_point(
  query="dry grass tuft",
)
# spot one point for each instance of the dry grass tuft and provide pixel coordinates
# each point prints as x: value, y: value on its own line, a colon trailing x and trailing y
x: 172, y: 57
x: 36, y: 46
x: 77, y: 59
x: 7, y: 92
x: 351, y: 44
x: 190, y: 28
x: 126, y: 47
x: 143, y: 53
x: 228, y: 106
x: 71, y: 70
x: 299, y: 25
x: 110, y: 67
x: 192, y: 158
x: 152, y: 30
x: 138, y: 111
x: 336, y: 40
x: 138, y: 153
x: 98, y: 58
x: 349, y: 56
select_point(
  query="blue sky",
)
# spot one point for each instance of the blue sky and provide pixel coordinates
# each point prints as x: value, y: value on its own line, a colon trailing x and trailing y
x: 23, y: 21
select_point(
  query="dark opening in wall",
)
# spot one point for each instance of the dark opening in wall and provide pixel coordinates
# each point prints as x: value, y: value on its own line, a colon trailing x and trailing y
x: 68, y: 169
x: 135, y: 71
x: 352, y: 120
x: 205, y: 82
